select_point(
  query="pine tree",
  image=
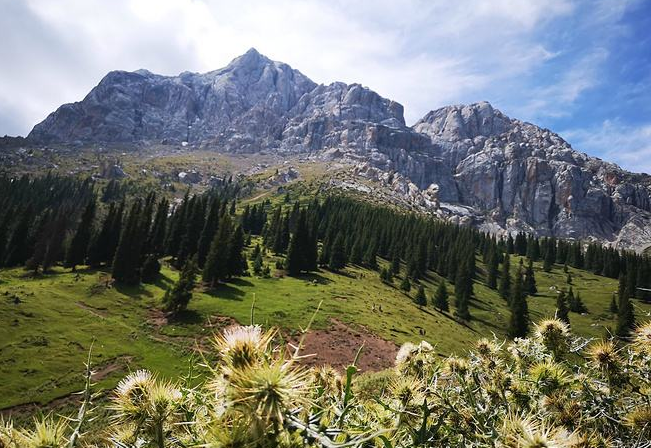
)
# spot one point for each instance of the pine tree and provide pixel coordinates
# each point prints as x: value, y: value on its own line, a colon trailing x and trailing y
x: 257, y: 264
x: 338, y: 254
x: 356, y: 252
x: 613, y: 304
x: 530, y: 280
x: 405, y: 285
x: 216, y: 266
x: 208, y: 232
x: 385, y: 276
x: 236, y: 262
x: 17, y: 251
x: 562, y: 311
x: 76, y: 253
x: 519, y: 321
x: 548, y: 262
x: 625, y: 314
x: 177, y: 298
x: 441, y: 297
x: 569, y: 278
x: 151, y: 269
x: 493, y: 268
x: 294, y: 263
x: 421, y: 298
x: 126, y: 262
x: 505, y: 278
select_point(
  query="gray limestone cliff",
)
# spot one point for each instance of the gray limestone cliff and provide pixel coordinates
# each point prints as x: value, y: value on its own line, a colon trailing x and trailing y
x: 513, y: 175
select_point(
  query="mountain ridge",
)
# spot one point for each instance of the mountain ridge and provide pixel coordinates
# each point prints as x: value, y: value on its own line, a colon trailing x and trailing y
x: 513, y: 175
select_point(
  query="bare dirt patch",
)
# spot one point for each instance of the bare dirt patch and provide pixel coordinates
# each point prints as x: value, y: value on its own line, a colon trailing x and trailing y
x: 338, y: 345
x: 114, y: 365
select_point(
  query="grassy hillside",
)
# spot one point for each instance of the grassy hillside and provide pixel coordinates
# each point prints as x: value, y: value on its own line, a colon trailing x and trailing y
x: 50, y: 321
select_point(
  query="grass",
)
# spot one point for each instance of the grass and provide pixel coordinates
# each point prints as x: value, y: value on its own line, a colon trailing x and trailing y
x: 50, y: 321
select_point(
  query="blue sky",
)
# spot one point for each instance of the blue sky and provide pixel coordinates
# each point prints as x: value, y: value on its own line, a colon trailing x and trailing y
x: 581, y: 68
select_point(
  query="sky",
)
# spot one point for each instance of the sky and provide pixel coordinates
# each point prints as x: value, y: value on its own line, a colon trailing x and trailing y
x: 581, y: 68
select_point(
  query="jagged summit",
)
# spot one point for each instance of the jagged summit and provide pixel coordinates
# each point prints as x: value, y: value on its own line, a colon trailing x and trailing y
x: 508, y: 174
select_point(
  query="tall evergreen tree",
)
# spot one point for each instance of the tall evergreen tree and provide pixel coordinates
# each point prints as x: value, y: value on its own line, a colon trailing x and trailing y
x: 625, y: 313
x: 519, y: 320
x: 505, y: 278
x: 177, y: 298
x: 493, y: 268
x: 562, y: 311
x: 236, y: 262
x: 421, y: 298
x: 76, y: 253
x: 441, y: 298
x: 530, y: 280
x: 216, y: 266
x: 126, y: 262
x: 337, y: 254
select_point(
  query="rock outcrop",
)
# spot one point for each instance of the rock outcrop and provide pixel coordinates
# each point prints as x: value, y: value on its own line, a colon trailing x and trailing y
x: 508, y: 174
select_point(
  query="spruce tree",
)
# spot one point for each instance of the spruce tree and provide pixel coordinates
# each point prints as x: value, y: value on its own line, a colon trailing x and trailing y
x: 151, y: 269
x: 216, y: 266
x: 294, y: 262
x: 177, y: 298
x: 562, y: 311
x: 236, y: 265
x: 405, y: 285
x: 421, y: 298
x: 208, y: 232
x: 548, y: 262
x: 625, y: 314
x: 76, y: 253
x: 126, y: 262
x: 338, y: 254
x: 257, y: 264
x: 441, y: 297
x: 530, y: 280
x: 519, y: 320
x: 493, y: 268
x: 505, y: 278
x: 613, y: 304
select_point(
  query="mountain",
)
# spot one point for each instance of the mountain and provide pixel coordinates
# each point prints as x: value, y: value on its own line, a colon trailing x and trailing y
x: 498, y: 173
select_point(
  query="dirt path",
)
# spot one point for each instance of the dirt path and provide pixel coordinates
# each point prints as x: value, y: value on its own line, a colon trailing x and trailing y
x: 338, y: 345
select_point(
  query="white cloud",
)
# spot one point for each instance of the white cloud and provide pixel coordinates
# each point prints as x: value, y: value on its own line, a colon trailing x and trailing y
x: 628, y: 146
x: 423, y: 54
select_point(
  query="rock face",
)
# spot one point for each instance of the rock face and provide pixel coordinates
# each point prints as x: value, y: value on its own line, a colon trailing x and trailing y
x: 510, y: 175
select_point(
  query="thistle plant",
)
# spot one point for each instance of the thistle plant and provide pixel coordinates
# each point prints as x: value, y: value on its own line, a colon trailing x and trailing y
x: 549, y: 390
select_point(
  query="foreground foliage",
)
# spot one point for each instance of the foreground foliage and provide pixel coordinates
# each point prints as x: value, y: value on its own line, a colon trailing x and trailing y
x: 549, y: 390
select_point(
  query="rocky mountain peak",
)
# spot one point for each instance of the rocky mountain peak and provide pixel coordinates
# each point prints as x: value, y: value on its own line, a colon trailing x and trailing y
x: 505, y: 174
x: 464, y: 122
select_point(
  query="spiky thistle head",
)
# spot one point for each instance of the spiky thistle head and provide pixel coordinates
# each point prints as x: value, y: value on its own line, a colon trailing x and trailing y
x: 241, y: 347
x: 549, y: 376
x: 414, y: 359
x: 642, y: 338
x: 487, y: 348
x: 639, y: 419
x: 7, y: 433
x: 407, y: 390
x: 531, y: 432
x: 554, y: 334
x: 328, y: 380
x: 164, y: 400
x: 604, y: 355
x: 130, y: 397
x: 46, y: 433
x: 454, y: 365
x: 268, y: 390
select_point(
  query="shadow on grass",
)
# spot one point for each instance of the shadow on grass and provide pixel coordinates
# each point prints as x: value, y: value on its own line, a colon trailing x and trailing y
x: 318, y: 278
x: 134, y: 291
x: 186, y: 317
x: 163, y: 281
x: 226, y: 291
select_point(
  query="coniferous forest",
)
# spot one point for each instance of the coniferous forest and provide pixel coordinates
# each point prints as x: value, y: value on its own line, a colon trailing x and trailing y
x: 217, y: 238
